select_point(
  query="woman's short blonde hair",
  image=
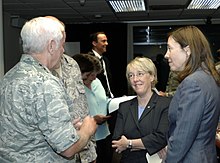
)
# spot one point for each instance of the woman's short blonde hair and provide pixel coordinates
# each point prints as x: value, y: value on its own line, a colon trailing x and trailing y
x: 143, y: 64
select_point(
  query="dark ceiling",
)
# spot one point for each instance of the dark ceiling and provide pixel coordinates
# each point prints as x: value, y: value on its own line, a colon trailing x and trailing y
x: 99, y: 11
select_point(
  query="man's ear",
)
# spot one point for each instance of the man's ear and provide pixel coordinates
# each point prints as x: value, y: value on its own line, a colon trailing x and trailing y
x: 187, y: 50
x: 51, y: 46
x: 94, y: 43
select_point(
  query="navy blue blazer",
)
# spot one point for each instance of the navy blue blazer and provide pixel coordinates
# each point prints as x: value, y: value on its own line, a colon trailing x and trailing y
x: 151, y: 127
x: 193, y: 116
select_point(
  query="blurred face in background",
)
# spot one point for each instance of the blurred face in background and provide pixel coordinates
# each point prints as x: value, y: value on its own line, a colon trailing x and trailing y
x: 88, y: 77
x: 101, y: 44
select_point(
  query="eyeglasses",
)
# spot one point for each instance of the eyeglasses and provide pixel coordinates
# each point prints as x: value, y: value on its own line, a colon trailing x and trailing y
x: 138, y: 75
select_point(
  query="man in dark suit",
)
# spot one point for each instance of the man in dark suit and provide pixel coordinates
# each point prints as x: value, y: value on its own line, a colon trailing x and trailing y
x: 99, y: 43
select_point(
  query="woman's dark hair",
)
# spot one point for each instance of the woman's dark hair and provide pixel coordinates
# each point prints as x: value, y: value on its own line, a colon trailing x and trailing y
x: 88, y: 63
x: 200, y: 56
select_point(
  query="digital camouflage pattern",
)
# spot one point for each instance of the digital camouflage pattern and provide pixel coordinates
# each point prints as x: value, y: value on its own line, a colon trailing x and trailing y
x: 72, y: 79
x: 32, y: 101
x: 172, y: 84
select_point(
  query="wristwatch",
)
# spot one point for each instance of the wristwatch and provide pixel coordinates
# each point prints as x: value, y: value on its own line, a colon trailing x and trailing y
x: 129, y: 146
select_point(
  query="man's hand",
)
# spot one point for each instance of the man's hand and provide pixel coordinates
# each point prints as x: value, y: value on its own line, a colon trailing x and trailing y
x: 162, y: 93
x: 86, y: 129
x: 77, y: 123
x: 88, y: 126
x: 162, y: 153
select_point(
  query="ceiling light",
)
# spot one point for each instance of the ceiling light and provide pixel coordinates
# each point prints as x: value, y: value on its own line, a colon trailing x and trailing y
x: 127, y: 5
x: 204, y: 4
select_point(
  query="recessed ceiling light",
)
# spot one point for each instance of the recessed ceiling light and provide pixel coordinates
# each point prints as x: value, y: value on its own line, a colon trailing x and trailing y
x: 204, y: 4
x: 127, y: 5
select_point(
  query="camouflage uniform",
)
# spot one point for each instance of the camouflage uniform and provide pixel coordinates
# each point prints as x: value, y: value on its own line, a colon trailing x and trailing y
x: 72, y: 79
x: 32, y: 101
x: 217, y: 65
x: 172, y: 84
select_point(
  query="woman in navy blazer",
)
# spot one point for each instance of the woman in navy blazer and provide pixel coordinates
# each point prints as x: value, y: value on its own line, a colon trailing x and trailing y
x: 142, y: 122
x: 194, y: 109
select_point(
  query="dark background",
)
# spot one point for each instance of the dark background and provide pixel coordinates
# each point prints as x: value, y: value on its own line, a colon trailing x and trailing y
x: 116, y: 49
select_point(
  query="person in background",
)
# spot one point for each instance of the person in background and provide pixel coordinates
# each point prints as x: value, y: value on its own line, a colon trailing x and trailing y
x: 172, y: 85
x: 163, y: 70
x: 90, y: 66
x: 35, y: 122
x: 69, y: 73
x: 99, y: 42
x: 142, y: 122
x: 194, y: 109
x: 217, y: 64
x: 217, y: 141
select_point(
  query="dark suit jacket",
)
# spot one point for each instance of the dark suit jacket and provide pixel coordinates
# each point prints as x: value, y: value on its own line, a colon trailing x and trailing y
x: 102, y: 77
x: 151, y: 127
x: 193, y: 116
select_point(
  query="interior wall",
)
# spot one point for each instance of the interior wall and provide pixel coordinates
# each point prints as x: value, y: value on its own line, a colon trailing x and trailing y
x: 12, y: 49
x: 211, y: 31
x: 1, y: 44
x: 150, y: 51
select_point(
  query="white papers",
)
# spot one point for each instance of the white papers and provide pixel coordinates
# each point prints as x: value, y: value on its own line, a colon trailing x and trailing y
x: 154, y: 158
x: 114, y: 103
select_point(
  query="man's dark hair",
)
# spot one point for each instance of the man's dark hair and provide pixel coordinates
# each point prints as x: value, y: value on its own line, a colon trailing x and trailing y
x: 94, y: 36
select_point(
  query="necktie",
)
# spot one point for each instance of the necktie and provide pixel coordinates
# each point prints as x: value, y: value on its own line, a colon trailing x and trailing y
x: 101, y: 60
x: 107, y: 87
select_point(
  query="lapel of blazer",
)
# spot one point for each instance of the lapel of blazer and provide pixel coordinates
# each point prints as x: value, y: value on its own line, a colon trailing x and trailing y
x: 134, y: 111
x: 150, y: 106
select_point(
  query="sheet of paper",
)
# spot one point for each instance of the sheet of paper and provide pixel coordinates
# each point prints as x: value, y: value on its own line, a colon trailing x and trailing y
x: 154, y: 158
x: 114, y: 103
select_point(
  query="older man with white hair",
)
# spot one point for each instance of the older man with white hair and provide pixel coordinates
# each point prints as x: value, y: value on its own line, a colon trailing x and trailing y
x: 35, y: 122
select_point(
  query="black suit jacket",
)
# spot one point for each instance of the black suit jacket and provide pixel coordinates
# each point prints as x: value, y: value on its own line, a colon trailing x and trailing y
x: 102, y: 77
x: 151, y: 127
